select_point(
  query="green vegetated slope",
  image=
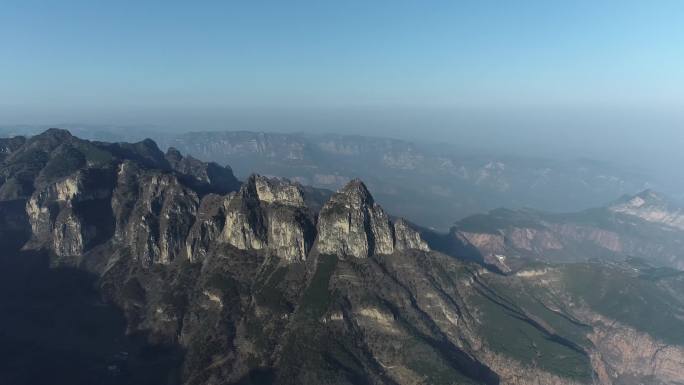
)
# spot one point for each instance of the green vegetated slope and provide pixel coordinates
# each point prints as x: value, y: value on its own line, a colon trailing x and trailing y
x: 642, y: 297
x: 516, y: 322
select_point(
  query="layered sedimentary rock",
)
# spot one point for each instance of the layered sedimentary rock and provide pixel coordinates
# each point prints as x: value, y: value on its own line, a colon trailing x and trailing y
x: 508, y: 238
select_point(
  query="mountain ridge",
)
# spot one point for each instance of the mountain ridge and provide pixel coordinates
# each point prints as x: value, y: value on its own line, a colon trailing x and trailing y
x: 254, y: 285
x: 405, y: 175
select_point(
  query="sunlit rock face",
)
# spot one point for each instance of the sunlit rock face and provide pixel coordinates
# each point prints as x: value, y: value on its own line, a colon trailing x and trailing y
x: 352, y: 224
x: 407, y: 238
x: 651, y: 206
x: 291, y: 231
x: 68, y: 215
x: 244, y: 225
x: 265, y: 214
x: 278, y: 191
x: 154, y: 213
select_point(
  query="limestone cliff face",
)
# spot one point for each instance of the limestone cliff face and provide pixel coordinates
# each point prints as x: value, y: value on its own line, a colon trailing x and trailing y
x: 270, y: 214
x: 207, y: 229
x: 265, y: 214
x: 68, y: 215
x: 245, y: 226
x: 352, y: 224
x: 290, y: 234
x: 277, y: 191
x: 126, y: 194
x: 154, y: 213
x: 407, y: 238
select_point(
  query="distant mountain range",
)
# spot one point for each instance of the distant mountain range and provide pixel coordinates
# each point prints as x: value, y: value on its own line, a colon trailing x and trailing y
x: 427, y: 183
x: 123, y: 264
x: 645, y: 226
x: 431, y: 185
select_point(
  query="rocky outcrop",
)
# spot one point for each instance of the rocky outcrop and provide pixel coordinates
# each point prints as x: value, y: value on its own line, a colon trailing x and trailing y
x: 211, y: 218
x: 352, y: 224
x: 202, y: 176
x: 68, y: 215
x: 39, y: 161
x: 154, y: 213
x: 407, y: 238
x: 651, y: 206
x: 265, y: 214
x: 290, y: 233
x: 245, y: 226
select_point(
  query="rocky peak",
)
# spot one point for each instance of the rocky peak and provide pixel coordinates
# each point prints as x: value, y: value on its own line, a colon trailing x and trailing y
x: 160, y: 207
x: 352, y: 224
x: 277, y: 191
x: 34, y: 163
x: 55, y: 136
x: 205, y: 177
x: 154, y: 213
x: 145, y: 153
x: 406, y: 237
x: 356, y: 194
x: 71, y: 215
x: 651, y: 206
x: 244, y: 226
x: 173, y: 155
x: 265, y: 214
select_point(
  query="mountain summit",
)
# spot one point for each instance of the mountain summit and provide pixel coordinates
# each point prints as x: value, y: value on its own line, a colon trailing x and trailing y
x: 651, y: 206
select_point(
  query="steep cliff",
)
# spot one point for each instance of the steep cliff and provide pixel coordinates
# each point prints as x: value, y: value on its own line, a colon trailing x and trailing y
x: 352, y: 224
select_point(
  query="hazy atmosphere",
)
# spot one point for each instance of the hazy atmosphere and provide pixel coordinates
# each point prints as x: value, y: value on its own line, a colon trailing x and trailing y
x: 313, y: 192
x: 585, y: 78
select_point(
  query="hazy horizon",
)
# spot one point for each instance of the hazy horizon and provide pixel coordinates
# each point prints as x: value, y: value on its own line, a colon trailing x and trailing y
x: 581, y: 79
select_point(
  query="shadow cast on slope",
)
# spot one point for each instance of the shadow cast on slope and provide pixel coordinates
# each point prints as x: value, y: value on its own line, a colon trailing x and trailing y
x: 56, y: 330
x: 447, y: 243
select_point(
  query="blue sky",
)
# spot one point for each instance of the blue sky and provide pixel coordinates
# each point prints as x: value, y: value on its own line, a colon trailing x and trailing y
x: 115, y: 55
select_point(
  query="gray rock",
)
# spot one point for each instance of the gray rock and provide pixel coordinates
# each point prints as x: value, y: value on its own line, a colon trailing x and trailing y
x: 352, y: 224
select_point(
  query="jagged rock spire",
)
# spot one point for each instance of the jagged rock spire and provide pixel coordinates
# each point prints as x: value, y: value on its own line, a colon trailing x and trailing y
x: 265, y: 214
x: 352, y: 224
